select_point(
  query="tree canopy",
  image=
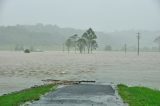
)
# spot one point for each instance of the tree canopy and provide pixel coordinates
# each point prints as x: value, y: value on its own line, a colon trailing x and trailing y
x: 87, y: 40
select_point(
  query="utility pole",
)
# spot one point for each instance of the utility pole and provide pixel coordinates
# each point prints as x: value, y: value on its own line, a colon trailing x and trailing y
x: 125, y: 48
x: 138, y: 38
x: 159, y: 47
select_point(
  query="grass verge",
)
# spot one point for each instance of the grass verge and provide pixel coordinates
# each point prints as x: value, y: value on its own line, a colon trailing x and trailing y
x: 139, y: 96
x: 20, y: 97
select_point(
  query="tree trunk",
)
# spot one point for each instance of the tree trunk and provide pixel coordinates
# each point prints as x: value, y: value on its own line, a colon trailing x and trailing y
x: 75, y: 49
x: 68, y: 49
x: 84, y: 49
x: 88, y: 50
x: 81, y: 50
x: 91, y: 48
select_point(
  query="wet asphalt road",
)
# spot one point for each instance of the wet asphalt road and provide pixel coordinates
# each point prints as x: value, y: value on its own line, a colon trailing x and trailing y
x: 81, y: 95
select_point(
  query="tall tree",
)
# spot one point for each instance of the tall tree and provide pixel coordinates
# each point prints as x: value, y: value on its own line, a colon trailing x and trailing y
x: 81, y: 43
x: 94, y: 45
x: 86, y: 37
x: 90, y: 37
x: 157, y: 40
x: 74, y: 39
x: 68, y: 43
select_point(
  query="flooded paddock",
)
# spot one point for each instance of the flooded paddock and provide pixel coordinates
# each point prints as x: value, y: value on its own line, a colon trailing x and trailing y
x: 19, y: 70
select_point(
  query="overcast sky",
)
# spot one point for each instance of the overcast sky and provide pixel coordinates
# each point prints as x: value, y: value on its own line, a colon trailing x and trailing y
x: 102, y: 15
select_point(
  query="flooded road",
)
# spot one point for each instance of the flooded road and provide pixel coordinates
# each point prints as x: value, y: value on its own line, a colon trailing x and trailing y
x: 81, y: 95
x: 19, y: 70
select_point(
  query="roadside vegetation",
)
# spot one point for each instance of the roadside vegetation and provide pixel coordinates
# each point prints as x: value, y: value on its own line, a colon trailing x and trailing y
x: 139, y: 96
x: 20, y: 97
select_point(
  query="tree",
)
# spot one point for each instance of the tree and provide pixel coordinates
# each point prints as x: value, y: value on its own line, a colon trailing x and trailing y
x: 74, y: 39
x: 90, y: 37
x: 157, y: 40
x: 68, y: 43
x: 81, y: 43
x: 94, y: 45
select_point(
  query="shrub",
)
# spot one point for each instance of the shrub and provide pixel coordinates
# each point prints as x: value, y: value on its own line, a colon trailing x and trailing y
x: 26, y: 51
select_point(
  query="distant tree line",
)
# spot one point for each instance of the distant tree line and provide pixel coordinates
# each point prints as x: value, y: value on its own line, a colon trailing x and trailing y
x: 86, y: 41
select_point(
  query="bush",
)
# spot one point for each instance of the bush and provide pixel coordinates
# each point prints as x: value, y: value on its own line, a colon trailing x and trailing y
x: 26, y: 51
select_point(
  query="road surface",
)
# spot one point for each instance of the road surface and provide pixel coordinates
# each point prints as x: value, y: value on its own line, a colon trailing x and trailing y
x: 81, y: 95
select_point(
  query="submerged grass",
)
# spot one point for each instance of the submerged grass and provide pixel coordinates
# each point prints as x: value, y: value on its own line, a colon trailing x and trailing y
x: 20, y: 97
x: 139, y: 96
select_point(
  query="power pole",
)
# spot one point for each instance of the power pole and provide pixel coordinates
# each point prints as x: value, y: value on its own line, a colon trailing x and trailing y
x: 159, y: 47
x: 125, y: 48
x: 138, y: 37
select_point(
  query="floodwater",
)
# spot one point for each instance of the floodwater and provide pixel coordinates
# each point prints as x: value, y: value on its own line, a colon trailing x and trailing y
x: 19, y: 70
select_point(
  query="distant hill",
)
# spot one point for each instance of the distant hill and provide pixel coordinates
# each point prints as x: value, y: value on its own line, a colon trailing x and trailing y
x: 52, y: 37
x: 40, y: 36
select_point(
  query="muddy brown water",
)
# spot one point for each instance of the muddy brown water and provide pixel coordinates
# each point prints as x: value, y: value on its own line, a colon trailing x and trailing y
x: 19, y: 70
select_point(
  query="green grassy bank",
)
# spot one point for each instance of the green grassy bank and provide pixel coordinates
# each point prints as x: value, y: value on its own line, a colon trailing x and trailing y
x: 139, y: 96
x: 17, y: 98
